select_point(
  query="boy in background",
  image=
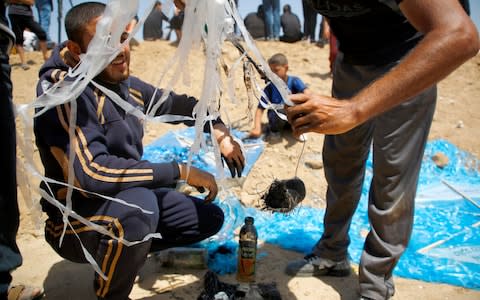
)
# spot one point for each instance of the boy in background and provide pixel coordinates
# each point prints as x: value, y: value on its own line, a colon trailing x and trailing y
x: 278, y: 63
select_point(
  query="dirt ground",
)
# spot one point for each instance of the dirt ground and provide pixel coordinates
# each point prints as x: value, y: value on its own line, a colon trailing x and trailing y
x: 457, y: 120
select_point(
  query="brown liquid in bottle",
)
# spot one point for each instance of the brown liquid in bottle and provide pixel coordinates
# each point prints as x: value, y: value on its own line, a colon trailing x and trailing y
x: 247, y: 251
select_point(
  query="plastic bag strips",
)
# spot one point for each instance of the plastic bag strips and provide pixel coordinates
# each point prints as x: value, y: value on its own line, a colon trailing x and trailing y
x: 445, y: 244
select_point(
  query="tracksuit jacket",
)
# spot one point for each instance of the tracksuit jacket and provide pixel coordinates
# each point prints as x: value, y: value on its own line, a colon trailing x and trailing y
x: 108, y: 142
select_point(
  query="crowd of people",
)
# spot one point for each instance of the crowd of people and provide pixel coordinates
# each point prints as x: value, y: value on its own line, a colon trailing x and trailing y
x: 383, y: 94
x: 267, y: 21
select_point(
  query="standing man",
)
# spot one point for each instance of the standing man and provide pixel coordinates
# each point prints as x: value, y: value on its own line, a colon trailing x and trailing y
x: 391, y: 55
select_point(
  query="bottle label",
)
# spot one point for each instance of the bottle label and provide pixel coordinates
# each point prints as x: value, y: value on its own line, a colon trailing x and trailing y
x: 247, y: 249
x: 246, y: 260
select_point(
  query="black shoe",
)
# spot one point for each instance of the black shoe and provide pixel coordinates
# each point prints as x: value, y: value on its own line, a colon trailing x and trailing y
x: 313, y: 265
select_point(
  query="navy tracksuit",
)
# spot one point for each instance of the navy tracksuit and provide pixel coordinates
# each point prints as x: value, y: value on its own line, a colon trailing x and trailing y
x: 108, y: 151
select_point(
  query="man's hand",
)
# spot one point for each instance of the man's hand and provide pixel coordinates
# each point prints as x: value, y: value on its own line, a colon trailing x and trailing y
x: 321, y: 114
x: 232, y: 154
x: 200, y: 180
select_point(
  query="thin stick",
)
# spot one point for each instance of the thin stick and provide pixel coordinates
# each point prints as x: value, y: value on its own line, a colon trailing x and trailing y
x: 460, y: 193
x: 440, y: 242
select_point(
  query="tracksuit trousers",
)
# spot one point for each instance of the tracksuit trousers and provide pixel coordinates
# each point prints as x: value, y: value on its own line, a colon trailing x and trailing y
x: 180, y: 219
x: 397, y: 139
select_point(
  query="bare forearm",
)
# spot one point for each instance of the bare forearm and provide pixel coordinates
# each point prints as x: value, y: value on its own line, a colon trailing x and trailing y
x: 258, y: 118
x: 220, y: 131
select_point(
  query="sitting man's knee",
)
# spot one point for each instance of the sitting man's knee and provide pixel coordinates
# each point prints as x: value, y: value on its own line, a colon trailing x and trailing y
x: 141, y: 220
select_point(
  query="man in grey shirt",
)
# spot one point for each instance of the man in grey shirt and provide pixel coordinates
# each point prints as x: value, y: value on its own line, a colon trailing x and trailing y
x: 290, y: 26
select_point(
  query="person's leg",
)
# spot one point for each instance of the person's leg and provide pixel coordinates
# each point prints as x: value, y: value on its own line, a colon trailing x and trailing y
x: 321, y: 31
x: 185, y: 220
x: 10, y: 257
x: 268, y: 10
x: 120, y: 263
x: 399, y: 141
x: 44, y: 9
x: 306, y: 20
x: 310, y: 22
x: 21, y: 54
x: 17, y: 24
x: 40, y: 33
x: 313, y: 25
x: 276, y: 19
x: 344, y: 158
x: 275, y: 123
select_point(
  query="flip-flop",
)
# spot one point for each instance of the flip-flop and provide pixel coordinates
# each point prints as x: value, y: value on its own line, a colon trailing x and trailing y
x: 25, y: 292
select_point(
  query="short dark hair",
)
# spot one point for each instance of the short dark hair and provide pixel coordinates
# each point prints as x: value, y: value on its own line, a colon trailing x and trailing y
x: 278, y: 59
x: 79, y: 16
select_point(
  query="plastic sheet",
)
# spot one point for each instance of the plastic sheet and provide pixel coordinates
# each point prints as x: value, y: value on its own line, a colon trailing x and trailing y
x: 446, y: 224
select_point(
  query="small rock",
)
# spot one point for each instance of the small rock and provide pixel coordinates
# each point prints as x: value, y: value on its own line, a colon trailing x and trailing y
x: 314, y: 164
x: 440, y: 159
x: 460, y: 124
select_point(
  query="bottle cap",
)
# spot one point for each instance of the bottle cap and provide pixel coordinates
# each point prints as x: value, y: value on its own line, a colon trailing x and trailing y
x: 249, y: 220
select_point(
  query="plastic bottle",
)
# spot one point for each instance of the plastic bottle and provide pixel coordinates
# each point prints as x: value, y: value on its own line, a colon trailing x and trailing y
x: 247, y: 251
x: 183, y: 257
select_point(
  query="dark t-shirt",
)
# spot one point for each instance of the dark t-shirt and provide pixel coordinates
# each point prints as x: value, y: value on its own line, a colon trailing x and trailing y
x: 153, y: 26
x: 290, y: 25
x: 255, y: 25
x: 369, y: 31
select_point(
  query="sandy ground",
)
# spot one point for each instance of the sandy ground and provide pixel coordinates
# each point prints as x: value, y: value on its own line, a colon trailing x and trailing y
x: 457, y: 120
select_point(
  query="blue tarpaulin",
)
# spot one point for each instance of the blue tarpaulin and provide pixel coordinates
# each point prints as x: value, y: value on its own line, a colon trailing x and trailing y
x: 445, y: 244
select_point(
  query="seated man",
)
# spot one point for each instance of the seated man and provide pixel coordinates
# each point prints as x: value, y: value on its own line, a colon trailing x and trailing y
x: 108, y: 148
x: 255, y: 23
x: 290, y: 26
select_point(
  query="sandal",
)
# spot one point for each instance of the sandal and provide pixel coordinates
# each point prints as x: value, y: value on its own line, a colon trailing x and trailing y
x: 25, y: 67
x: 25, y: 292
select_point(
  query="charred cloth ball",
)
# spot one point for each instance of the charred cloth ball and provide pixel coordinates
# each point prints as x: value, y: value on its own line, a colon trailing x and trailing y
x: 284, y: 195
